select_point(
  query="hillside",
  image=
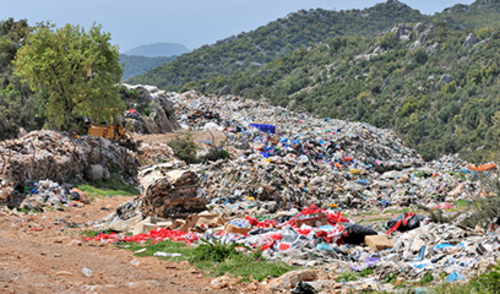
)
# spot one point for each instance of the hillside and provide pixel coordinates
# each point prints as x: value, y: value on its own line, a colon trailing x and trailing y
x: 438, y: 88
x: 480, y: 14
x: 158, y: 50
x: 137, y: 65
x: 252, y: 50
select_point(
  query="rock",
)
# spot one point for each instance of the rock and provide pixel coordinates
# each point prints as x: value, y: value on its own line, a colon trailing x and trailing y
x: 95, y: 172
x: 377, y: 50
x: 74, y: 243
x: 221, y: 282
x: 225, y: 90
x: 419, y: 27
x: 433, y: 49
x: 470, y: 40
x: 446, y: 78
x: 432, y: 88
x: 402, y: 31
x: 291, y: 279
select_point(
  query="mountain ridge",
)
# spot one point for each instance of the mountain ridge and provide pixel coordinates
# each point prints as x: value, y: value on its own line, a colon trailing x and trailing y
x: 159, y: 49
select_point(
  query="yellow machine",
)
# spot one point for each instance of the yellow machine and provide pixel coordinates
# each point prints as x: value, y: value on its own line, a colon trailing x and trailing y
x: 109, y: 132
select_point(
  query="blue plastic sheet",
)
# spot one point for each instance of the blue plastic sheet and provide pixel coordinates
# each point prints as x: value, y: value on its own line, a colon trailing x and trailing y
x: 265, y: 128
x: 453, y: 277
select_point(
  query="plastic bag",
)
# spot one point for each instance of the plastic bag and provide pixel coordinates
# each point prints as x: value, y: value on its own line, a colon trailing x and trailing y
x: 355, y: 233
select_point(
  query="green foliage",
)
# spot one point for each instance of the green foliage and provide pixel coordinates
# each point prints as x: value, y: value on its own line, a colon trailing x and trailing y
x: 217, y: 251
x: 94, y: 233
x: 75, y: 70
x: 388, y: 40
x: 347, y: 276
x: 18, y: 105
x: 138, y: 65
x: 247, y: 265
x: 109, y: 191
x: 184, y: 147
x: 247, y: 52
x: 451, y: 88
x: 327, y: 80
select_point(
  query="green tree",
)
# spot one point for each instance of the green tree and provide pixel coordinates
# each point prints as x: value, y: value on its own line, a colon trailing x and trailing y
x: 77, y: 72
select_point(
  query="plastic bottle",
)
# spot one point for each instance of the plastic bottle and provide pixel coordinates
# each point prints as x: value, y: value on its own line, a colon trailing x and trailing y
x: 87, y: 272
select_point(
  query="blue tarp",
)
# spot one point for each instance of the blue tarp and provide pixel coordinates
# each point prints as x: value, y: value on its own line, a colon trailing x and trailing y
x: 265, y: 128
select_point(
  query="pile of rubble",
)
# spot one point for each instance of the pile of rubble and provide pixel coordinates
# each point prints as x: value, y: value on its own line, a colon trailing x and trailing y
x: 43, y: 155
x: 315, y: 160
x: 332, y: 167
x: 170, y: 189
x: 161, y: 118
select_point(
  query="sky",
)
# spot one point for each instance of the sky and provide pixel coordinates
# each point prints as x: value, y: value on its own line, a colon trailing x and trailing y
x: 192, y: 23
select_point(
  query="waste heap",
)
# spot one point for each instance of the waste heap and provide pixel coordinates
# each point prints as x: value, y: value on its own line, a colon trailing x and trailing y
x: 42, y: 155
x: 257, y: 197
x: 161, y: 119
x: 154, y: 152
x: 170, y: 189
x: 306, y: 160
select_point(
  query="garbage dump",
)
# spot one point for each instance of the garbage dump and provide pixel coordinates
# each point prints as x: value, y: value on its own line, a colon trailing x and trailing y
x: 295, y: 191
x: 54, y: 156
x: 170, y: 189
x: 161, y: 118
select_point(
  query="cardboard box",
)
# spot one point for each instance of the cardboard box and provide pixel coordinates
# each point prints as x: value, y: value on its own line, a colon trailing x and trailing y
x: 312, y: 220
x: 378, y: 242
x: 229, y: 228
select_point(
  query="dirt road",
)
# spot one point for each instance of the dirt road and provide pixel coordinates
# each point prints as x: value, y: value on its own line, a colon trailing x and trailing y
x: 42, y: 254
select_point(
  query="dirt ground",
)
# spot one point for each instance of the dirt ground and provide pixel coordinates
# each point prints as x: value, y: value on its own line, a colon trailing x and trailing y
x: 40, y: 253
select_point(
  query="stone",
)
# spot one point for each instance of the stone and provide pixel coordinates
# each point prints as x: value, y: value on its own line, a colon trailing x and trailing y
x: 291, y: 279
x: 470, y: 40
x: 446, y: 78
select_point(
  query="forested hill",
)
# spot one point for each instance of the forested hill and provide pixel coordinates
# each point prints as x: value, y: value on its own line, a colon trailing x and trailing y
x: 137, y: 65
x: 480, y: 14
x: 249, y: 51
x: 438, y: 88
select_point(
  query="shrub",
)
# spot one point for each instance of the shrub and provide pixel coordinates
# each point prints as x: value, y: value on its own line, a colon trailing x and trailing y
x: 184, y: 147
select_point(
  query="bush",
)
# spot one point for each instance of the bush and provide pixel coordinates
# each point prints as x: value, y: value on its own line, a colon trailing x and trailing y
x: 184, y: 147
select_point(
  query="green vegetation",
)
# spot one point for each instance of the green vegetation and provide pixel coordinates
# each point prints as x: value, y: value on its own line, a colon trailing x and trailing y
x: 488, y: 283
x: 218, y: 259
x: 184, y: 147
x: 480, y: 14
x: 105, y: 190
x: 74, y: 71
x: 248, y: 52
x: 18, y: 106
x: 94, y: 233
x: 399, y: 89
x: 137, y: 65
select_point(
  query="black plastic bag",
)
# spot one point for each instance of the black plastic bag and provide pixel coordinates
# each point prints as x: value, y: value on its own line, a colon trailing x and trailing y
x: 413, y: 222
x: 304, y: 288
x: 355, y: 233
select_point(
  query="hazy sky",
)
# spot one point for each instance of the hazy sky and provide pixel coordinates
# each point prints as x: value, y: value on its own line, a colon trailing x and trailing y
x: 189, y: 22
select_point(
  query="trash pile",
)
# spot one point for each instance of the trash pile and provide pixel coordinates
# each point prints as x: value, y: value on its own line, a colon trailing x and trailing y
x: 161, y: 118
x: 43, y: 155
x: 153, y: 153
x: 305, y: 160
x: 48, y: 193
x: 290, y: 182
x: 170, y: 190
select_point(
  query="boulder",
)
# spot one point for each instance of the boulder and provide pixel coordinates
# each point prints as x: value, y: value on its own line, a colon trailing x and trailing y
x: 447, y: 79
x: 470, y: 40
x: 419, y: 27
